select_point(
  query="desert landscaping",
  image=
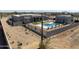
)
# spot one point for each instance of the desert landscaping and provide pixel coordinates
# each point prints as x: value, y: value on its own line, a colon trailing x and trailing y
x: 20, y: 37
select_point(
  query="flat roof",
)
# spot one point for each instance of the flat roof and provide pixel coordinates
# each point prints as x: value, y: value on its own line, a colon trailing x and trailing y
x: 27, y: 15
x: 15, y: 34
x: 65, y: 15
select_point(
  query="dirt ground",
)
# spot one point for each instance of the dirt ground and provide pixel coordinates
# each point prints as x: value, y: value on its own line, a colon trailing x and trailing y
x: 20, y: 37
x: 67, y: 39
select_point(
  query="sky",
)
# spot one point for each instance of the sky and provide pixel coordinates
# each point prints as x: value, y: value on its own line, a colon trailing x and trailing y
x: 65, y: 5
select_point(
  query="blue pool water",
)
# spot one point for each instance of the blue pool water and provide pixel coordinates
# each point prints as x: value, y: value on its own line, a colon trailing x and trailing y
x: 50, y: 25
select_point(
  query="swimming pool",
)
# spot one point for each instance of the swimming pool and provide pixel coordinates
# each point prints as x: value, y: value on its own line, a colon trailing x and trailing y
x: 50, y: 25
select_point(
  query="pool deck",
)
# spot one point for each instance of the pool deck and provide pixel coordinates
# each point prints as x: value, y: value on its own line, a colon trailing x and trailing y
x: 47, y: 29
x: 19, y: 37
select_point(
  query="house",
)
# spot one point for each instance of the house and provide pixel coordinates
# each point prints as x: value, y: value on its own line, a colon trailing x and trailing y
x: 65, y: 19
x: 15, y: 20
x: 24, y: 19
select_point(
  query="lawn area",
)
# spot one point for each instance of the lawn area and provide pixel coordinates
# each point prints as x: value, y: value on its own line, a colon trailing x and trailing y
x: 39, y: 22
x: 36, y: 22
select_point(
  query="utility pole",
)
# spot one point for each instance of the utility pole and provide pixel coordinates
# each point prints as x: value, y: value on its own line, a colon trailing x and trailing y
x: 41, y: 46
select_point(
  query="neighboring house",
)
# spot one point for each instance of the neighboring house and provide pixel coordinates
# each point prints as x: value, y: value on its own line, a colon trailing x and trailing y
x: 66, y: 19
